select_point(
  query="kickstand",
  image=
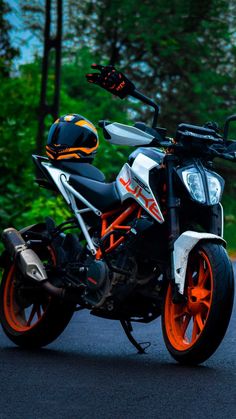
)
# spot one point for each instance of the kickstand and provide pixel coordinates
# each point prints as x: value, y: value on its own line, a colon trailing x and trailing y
x: 126, y: 324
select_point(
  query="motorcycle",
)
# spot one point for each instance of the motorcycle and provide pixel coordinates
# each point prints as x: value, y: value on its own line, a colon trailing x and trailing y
x: 148, y: 244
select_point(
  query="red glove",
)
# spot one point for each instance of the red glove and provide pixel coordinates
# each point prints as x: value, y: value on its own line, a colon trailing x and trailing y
x: 112, y: 80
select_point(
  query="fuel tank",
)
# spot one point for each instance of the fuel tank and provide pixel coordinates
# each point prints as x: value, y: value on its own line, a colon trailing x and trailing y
x: 142, y: 178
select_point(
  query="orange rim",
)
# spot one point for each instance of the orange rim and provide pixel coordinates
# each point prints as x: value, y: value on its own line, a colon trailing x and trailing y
x: 184, y: 323
x: 22, y: 319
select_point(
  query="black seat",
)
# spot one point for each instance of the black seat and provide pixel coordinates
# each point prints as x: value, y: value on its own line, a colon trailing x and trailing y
x: 81, y: 169
x: 103, y: 196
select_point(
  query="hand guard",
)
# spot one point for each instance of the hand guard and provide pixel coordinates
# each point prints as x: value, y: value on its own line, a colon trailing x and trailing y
x: 111, y: 80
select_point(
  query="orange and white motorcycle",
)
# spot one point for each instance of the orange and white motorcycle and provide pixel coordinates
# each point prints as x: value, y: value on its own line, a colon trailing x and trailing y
x: 148, y: 244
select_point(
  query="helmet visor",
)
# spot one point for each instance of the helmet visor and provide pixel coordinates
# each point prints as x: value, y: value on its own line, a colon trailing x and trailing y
x: 69, y: 135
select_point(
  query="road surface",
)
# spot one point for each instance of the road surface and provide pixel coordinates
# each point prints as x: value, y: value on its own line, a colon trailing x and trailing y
x: 92, y: 371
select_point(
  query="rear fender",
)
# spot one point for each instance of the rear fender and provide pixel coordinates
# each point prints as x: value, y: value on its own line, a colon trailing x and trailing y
x: 183, y: 246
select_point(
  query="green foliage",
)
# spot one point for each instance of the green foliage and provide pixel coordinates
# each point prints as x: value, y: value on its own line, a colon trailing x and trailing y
x: 7, y: 51
x: 18, y: 97
x: 228, y: 171
x: 178, y: 52
x: 78, y: 96
x: 21, y: 200
x: 229, y: 204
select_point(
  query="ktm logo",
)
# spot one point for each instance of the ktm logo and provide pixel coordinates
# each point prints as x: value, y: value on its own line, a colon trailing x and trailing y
x: 121, y: 85
x: 149, y: 203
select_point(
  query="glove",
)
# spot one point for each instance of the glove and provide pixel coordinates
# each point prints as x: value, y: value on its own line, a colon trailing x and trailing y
x: 212, y: 125
x: 111, y: 80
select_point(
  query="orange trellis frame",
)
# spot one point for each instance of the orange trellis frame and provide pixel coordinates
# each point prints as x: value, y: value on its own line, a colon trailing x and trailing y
x: 112, y: 225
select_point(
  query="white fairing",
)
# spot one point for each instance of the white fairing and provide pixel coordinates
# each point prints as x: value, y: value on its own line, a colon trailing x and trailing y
x: 56, y: 175
x: 127, y: 135
x: 61, y: 179
x: 133, y: 182
x: 182, y: 247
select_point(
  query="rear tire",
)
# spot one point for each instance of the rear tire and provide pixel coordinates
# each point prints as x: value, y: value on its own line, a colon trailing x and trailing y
x: 29, y: 317
x: 193, y: 330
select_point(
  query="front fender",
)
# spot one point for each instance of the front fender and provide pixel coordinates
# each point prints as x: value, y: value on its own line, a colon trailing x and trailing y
x: 182, y: 247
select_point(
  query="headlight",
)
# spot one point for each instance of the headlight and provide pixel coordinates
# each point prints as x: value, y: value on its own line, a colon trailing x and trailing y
x: 193, y: 181
x: 214, y: 188
x: 206, y: 191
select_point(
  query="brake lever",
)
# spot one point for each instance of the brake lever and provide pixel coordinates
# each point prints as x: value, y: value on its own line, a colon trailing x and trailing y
x: 229, y: 156
x: 102, y: 123
x: 225, y: 156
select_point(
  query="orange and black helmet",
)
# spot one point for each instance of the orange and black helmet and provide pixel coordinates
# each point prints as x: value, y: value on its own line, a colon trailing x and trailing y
x: 72, y: 137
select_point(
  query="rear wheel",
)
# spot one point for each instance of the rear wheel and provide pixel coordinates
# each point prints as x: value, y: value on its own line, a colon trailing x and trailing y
x: 194, y: 329
x: 30, y: 317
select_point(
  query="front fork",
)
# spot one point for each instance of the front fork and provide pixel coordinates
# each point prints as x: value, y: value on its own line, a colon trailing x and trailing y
x: 173, y: 205
x: 180, y: 245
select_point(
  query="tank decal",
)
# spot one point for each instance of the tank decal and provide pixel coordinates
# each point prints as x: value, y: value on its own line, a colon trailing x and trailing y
x: 133, y: 182
x: 140, y: 194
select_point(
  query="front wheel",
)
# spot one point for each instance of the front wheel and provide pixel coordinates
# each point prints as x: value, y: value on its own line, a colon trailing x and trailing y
x: 194, y: 329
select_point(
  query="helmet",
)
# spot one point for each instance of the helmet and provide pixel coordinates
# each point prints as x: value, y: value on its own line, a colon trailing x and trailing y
x: 72, y: 137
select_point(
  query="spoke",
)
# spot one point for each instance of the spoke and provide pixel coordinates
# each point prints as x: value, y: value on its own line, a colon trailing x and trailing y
x: 206, y: 303
x: 203, y: 274
x: 183, y: 320
x: 198, y: 326
x: 205, y: 299
x: 179, y: 315
x: 206, y: 296
x: 199, y: 321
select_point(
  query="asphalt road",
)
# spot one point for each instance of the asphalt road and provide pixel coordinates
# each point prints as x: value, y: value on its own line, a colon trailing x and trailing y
x: 92, y: 371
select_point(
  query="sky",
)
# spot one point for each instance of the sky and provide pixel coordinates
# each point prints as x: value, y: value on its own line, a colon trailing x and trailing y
x: 20, y: 37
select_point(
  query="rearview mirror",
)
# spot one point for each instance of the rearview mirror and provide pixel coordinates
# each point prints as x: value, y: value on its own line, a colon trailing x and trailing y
x: 226, y: 126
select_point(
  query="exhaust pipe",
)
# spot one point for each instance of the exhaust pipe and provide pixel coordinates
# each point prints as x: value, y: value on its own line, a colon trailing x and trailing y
x: 28, y: 261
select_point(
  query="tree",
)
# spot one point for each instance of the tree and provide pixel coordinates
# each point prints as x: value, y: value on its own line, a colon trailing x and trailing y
x: 7, y: 51
x: 179, y: 52
x: 21, y: 202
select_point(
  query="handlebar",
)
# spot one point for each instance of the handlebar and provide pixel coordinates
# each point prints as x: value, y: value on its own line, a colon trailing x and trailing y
x: 226, y: 156
x: 168, y: 143
x: 102, y: 123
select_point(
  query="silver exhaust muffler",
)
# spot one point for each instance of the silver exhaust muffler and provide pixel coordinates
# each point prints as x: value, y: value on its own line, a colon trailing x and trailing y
x: 27, y: 260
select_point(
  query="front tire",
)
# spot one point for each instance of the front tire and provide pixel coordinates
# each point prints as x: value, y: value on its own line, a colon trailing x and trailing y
x: 193, y: 330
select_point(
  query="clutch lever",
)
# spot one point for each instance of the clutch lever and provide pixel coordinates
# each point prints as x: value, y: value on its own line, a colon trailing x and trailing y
x: 229, y: 156
x: 102, y: 123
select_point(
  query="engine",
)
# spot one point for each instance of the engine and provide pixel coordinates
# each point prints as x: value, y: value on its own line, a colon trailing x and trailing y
x: 107, y: 283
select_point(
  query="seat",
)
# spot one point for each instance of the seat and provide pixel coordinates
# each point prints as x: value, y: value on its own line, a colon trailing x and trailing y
x: 103, y: 196
x: 82, y: 169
